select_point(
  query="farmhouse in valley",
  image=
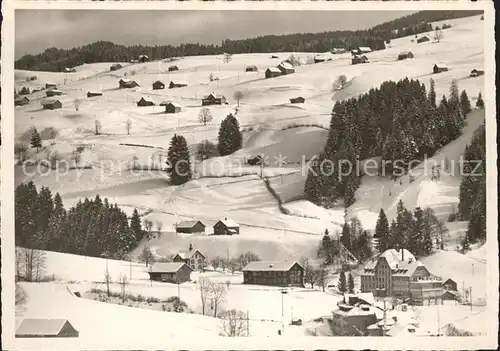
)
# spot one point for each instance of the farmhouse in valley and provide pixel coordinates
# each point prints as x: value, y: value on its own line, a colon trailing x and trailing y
x: 439, y: 67
x: 359, y: 59
x: 171, y: 107
x: 297, y: 100
x: 51, y: 104
x: 176, y: 85
x: 397, y: 273
x: 115, y: 67
x: 49, y: 85
x: 171, y: 272
x: 22, y: 100
x: 145, y: 101
x: 126, y: 83
x: 53, y: 92
x: 361, y: 50
x: 193, y: 258
x: 190, y: 227
x: 213, y: 99
x: 281, y: 273
x: 423, y: 39
x: 46, y: 328
x: 251, y: 69
x: 158, y: 85
x: 286, y: 67
x: 476, y: 73
x: 272, y: 72
x: 93, y: 93
x: 226, y: 227
x: 173, y: 68
x: 405, y: 55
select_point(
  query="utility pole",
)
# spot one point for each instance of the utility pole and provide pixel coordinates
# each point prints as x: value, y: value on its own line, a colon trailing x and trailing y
x: 248, y: 323
x: 130, y: 267
x: 383, y: 327
x: 439, y: 325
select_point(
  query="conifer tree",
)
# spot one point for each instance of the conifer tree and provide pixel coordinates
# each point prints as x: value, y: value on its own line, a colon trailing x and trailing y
x: 350, y: 284
x: 382, y: 232
x: 179, y: 160
x: 136, y: 226
x: 480, y: 102
x: 465, y: 103
x: 342, y: 284
x: 345, y: 237
x: 36, y: 140
x: 326, y: 249
x: 230, y: 138
x: 415, y: 242
x: 432, y: 93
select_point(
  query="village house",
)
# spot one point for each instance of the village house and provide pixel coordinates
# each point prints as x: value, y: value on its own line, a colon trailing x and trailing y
x: 51, y: 104
x: 190, y: 227
x: 226, y: 227
x: 476, y: 73
x: 193, y: 258
x: 24, y: 91
x: 450, y: 284
x: 21, y: 101
x: 158, y: 85
x: 171, y: 272
x: 143, y: 58
x: 251, y: 69
x: 49, y: 85
x: 173, y: 68
x: 297, y: 100
x: 352, y: 319
x: 145, y: 101
x: 279, y: 273
x: 126, y: 83
x: 398, y: 274
x: 171, y: 107
x: 115, y: 67
x: 361, y: 50
x: 213, y: 99
x: 272, y: 72
x: 423, y: 39
x: 176, y: 85
x: 359, y: 59
x: 93, y: 93
x: 53, y: 92
x: 450, y: 297
x: 46, y: 328
x: 439, y: 67
x: 405, y: 55
x: 286, y: 67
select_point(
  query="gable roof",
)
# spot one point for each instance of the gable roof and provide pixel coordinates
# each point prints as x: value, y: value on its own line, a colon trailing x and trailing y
x: 364, y: 48
x: 41, y: 327
x: 405, y: 52
x: 229, y: 223
x: 158, y: 81
x: 188, y: 224
x: 188, y: 254
x: 270, y: 266
x: 286, y: 65
x: 441, y: 65
x: 274, y: 69
x: 50, y: 101
x: 126, y: 80
x: 167, y: 267
x: 20, y: 98
x: 147, y: 99
x: 214, y: 95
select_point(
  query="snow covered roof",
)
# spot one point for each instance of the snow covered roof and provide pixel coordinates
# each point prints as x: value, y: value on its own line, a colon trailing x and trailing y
x: 286, y: 65
x: 395, y: 261
x: 40, y: 327
x: 282, y: 266
x: 405, y: 52
x: 274, y: 70
x: 188, y: 254
x: 147, y: 99
x: 229, y: 223
x: 441, y: 65
x: 216, y: 96
x: 185, y: 224
x: 364, y: 49
x: 126, y: 80
x: 168, y: 267
x: 50, y: 101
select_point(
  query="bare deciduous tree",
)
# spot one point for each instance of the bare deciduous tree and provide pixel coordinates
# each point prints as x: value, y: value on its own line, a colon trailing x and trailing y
x: 21, y: 149
x: 107, y: 280
x: 218, y: 294
x: 205, y: 290
x: 238, y: 95
x: 123, y: 281
x: 128, y: 126
x: 438, y: 35
x: 98, y: 127
x: 322, y: 277
x: 340, y: 82
x: 76, y: 156
x: 205, y: 116
x: 33, y: 264
x: 146, y: 256
x: 148, y: 226
x: 234, y: 323
x: 53, y: 158
x: 77, y: 102
x: 159, y: 227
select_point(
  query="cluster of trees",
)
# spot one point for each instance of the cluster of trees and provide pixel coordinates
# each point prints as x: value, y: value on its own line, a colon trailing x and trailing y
x: 398, y: 121
x: 92, y: 228
x: 345, y: 285
x: 212, y: 295
x: 472, y: 193
x: 54, y: 59
x: 235, y: 263
x: 419, y: 231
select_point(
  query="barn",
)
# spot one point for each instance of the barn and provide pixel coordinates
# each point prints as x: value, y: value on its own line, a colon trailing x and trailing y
x: 272, y: 72
x: 297, y: 100
x: 93, y: 93
x: 51, y: 104
x: 125, y: 83
x: 226, y: 227
x: 171, y: 272
x: 190, y: 227
x: 158, y: 85
x: 286, y: 68
x: 359, y: 59
x: 213, y: 99
x: 115, y: 67
x: 53, y: 92
x: 21, y: 101
x: 476, y: 73
x: 145, y: 101
x: 423, y: 39
x: 173, y: 68
x: 176, y: 85
x: 49, y: 85
x: 278, y: 273
x: 405, y: 55
x: 439, y: 67
x: 69, y: 70
x: 46, y: 328
x: 251, y: 69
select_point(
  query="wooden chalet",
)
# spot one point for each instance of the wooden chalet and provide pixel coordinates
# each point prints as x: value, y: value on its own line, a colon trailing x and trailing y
x: 272, y: 72
x: 405, y: 55
x: 450, y: 284
x: 115, y: 67
x: 251, y: 68
x: 158, y: 85
x: 46, y: 328
x: 476, y: 73
x: 423, y: 39
x: 226, y: 227
x: 173, y: 68
x: 439, y: 67
x: 171, y: 272
x: 125, y: 83
x: 279, y: 273
x: 213, y: 99
x: 49, y: 85
x: 359, y: 59
x: 51, y: 104
x: 173, y: 85
x: 145, y: 101
x: 190, y: 227
x: 286, y: 67
x: 193, y: 258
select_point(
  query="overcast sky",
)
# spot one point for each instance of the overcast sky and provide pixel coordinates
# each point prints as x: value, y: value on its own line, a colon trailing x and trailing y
x: 37, y: 30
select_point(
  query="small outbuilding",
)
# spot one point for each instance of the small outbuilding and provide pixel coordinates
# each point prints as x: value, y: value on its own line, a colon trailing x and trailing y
x: 473, y: 73
x: 359, y: 59
x: 46, y: 328
x: 145, y: 101
x: 51, y: 104
x: 213, y: 99
x: 272, y: 72
x: 318, y: 59
x: 171, y: 272
x: 423, y: 39
x: 173, y: 85
x: 226, y: 227
x: 49, y: 85
x: 126, y: 83
x: 439, y: 67
x: 171, y: 107
x: 21, y: 101
x: 364, y: 50
x: 286, y: 67
x: 143, y: 58
x: 158, y: 85
x: 115, y: 67
x: 173, y: 68
x: 53, y: 92
x: 297, y: 100
x: 93, y: 93
x: 190, y: 227
x: 450, y: 297
x: 450, y: 284
x: 251, y: 68
x: 69, y: 70
x: 405, y: 55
